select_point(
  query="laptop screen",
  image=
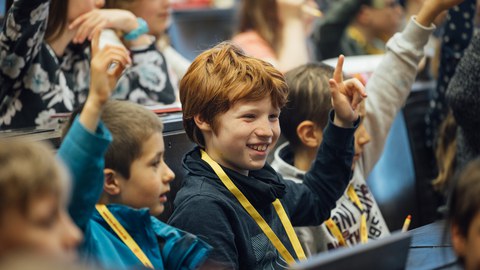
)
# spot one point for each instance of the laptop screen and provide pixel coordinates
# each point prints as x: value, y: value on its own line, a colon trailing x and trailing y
x: 386, y: 253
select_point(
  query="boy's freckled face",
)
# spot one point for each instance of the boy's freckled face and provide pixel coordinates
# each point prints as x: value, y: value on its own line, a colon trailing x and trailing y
x: 244, y: 136
x: 150, y: 178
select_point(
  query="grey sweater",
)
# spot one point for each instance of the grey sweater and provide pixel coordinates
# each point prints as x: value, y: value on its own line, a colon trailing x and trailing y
x: 463, y: 96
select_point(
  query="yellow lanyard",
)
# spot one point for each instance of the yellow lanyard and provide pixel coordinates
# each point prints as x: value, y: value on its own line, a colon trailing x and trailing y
x: 332, y: 226
x: 258, y: 218
x: 123, y: 234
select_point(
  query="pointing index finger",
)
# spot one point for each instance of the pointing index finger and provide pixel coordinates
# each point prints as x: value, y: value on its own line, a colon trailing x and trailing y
x: 338, y: 73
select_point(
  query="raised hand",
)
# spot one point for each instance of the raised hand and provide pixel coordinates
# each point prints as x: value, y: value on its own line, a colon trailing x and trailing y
x: 106, y: 67
x: 98, y: 19
x: 432, y: 8
x: 346, y: 95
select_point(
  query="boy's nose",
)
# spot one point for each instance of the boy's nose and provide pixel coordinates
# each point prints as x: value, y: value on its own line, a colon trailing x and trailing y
x: 168, y: 175
x: 264, y: 129
x: 72, y: 236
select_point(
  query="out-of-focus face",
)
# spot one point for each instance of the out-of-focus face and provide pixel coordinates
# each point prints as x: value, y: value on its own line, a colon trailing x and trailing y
x: 150, y: 178
x: 362, y: 137
x: 79, y: 7
x: 45, y: 229
x: 469, y: 247
x: 385, y: 18
x: 244, y: 135
x: 155, y: 12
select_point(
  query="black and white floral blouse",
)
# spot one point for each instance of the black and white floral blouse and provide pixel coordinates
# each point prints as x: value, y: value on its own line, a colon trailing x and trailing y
x: 35, y: 83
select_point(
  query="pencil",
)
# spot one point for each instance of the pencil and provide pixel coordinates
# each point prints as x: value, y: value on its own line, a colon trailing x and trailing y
x: 406, y: 224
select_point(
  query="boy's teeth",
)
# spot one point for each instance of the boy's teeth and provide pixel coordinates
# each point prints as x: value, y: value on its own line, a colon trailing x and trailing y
x: 259, y: 147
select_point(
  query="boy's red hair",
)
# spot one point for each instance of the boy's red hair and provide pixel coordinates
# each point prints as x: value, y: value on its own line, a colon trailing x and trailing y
x: 221, y: 76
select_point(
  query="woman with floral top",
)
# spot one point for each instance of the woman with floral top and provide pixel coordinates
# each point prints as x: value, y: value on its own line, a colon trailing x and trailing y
x: 44, y: 59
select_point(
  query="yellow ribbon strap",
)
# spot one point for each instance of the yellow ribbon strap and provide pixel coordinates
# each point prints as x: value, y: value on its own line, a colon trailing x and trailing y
x: 292, y: 236
x: 123, y: 234
x: 333, y: 228
x: 267, y: 230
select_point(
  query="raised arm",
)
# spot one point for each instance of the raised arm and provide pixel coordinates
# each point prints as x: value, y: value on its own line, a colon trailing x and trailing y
x: 312, y: 201
x: 392, y: 81
x: 293, y: 50
x: 87, y: 140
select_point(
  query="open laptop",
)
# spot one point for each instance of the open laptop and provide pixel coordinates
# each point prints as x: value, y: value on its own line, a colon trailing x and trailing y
x: 389, y: 253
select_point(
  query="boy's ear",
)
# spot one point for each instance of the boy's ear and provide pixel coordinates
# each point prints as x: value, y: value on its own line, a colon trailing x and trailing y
x: 201, y: 124
x: 309, y: 134
x: 111, y: 185
x: 458, y: 240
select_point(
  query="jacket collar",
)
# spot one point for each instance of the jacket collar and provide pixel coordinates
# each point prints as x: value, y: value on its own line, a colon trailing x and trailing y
x: 261, y: 187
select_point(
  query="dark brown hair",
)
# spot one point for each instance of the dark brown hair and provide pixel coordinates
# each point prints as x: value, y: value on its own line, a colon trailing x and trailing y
x: 57, y: 19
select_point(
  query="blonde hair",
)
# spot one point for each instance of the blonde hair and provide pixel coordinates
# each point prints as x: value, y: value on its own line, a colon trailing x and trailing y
x: 445, y: 153
x: 27, y: 169
x: 221, y: 76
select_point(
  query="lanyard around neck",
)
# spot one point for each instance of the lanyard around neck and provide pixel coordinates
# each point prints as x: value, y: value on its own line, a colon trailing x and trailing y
x: 123, y: 234
x: 335, y: 230
x: 267, y: 230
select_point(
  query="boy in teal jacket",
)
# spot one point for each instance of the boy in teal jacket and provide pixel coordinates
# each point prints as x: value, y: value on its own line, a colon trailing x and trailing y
x: 121, y: 231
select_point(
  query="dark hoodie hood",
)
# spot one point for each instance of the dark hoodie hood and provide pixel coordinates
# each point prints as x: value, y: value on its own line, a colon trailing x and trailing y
x: 261, y: 187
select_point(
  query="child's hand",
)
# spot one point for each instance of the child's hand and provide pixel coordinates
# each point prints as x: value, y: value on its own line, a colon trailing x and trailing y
x: 106, y: 67
x: 346, y: 95
x: 98, y: 19
x: 432, y: 8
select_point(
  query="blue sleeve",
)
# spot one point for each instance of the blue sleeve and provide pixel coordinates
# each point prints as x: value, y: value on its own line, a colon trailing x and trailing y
x: 182, y: 250
x: 83, y: 152
x: 310, y: 203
